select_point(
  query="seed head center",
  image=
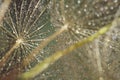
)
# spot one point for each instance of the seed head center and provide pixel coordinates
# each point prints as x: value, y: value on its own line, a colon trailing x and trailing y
x: 19, y: 40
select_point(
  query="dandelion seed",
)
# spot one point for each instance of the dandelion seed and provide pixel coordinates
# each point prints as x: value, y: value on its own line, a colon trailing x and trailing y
x: 24, y: 24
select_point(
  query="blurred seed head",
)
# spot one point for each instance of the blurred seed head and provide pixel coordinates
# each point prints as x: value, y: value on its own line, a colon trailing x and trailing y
x: 84, y: 17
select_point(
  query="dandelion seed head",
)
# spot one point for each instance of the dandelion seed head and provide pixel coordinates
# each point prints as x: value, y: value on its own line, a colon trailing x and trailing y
x: 19, y: 41
x: 25, y: 24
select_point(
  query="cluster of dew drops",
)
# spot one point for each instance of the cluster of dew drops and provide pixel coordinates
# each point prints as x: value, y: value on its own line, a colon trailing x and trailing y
x: 90, y: 16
